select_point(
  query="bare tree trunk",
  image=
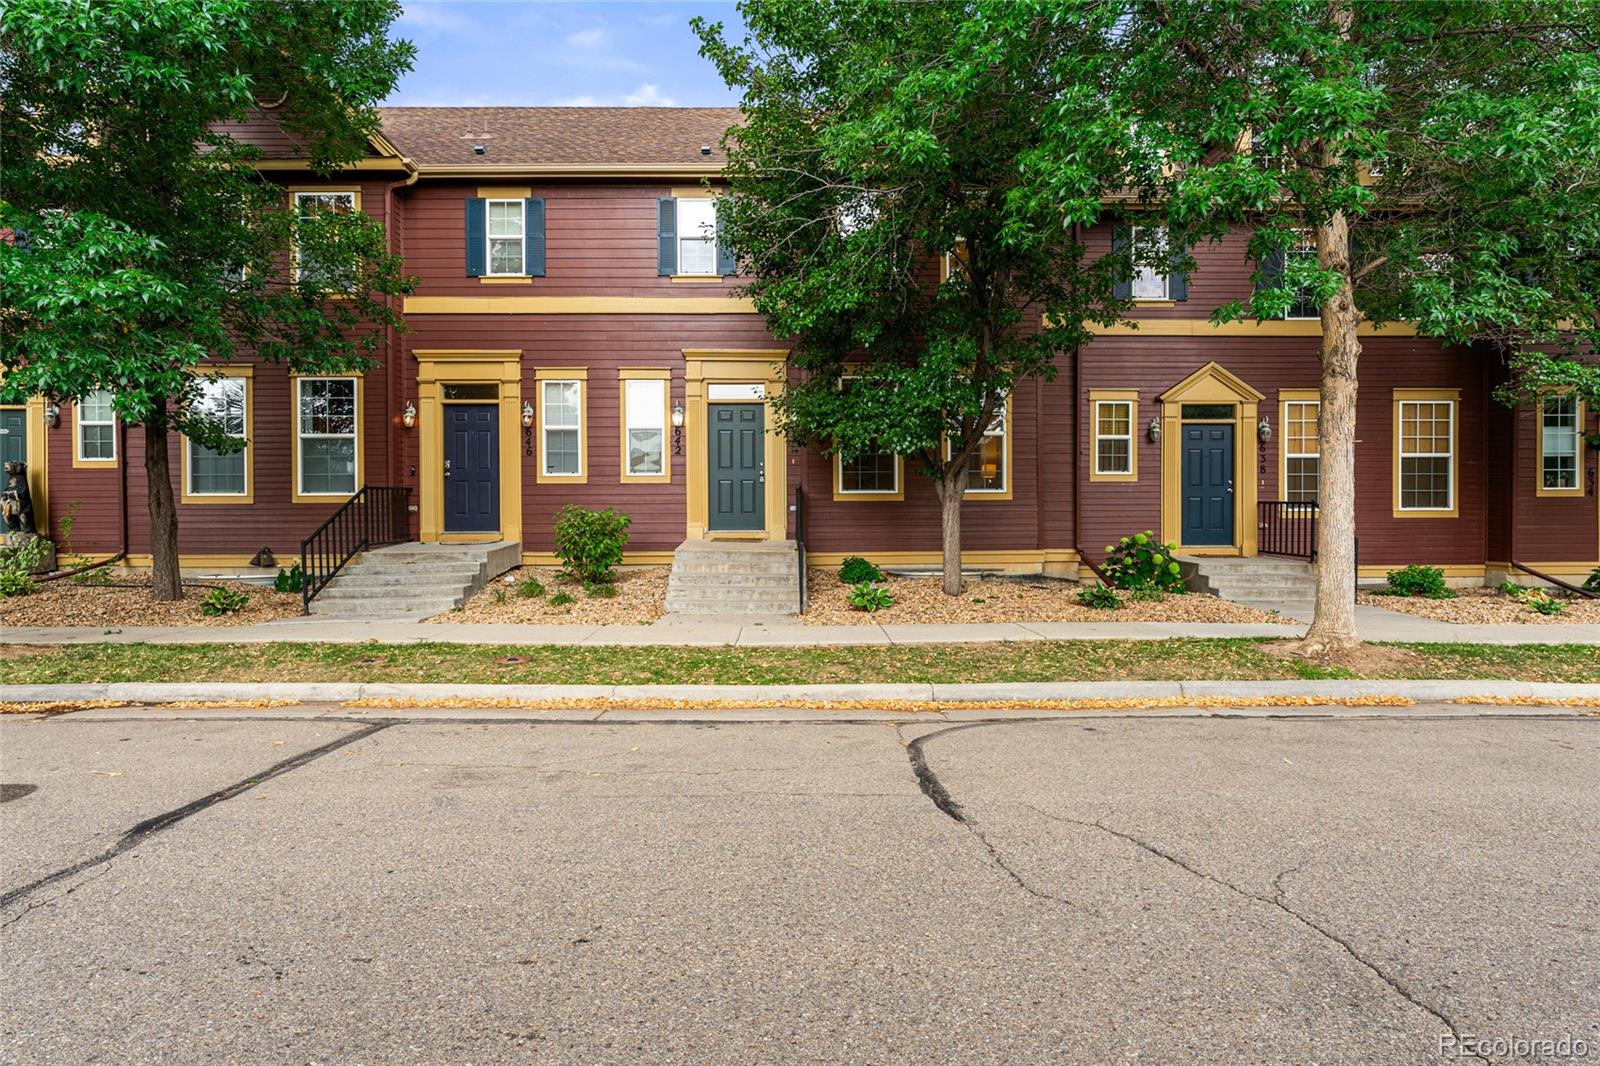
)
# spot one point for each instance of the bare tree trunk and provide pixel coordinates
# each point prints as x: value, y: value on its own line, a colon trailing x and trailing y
x: 951, y: 488
x: 166, y: 583
x: 1333, y: 626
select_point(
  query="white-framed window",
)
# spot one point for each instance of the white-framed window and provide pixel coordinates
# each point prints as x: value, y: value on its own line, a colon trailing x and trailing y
x: 1113, y: 437
x: 697, y: 237
x: 869, y: 473
x: 986, y: 471
x: 327, y: 436
x: 1302, y: 251
x: 1426, y: 454
x: 644, y: 402
x: 507, y: 236
x: 561, y: 423
x: 308, y: 205
x: 1148, y: 282
x: 209, y: 472
x: 1560, y: 418
x: 96, y: 428
x: 1302, y: 451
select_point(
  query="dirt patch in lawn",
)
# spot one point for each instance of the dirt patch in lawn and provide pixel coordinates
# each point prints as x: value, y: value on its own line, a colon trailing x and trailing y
x: 641, y: 598
x: 921, y: 600
x: 1485, y: 607
x: 127, y: 603
x: 1365, y: 660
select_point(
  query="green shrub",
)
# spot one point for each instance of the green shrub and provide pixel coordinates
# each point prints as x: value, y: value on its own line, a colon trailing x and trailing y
x: 1414, y: 580
x: 1100, y: 597
x: 1143, y: 562
x: 530, y: 588
x: 219, y: 602
x: 866, y: 596
x: 603, y: 590
x: 855, y: 570
x: 1151, y: 595
x: 1593, y: 582
x: 290, y: 580
x: 16, y: 568
x: 590, y: 543
x: 499, y: 595
x: 1538, y: 599
x: 561, y: 599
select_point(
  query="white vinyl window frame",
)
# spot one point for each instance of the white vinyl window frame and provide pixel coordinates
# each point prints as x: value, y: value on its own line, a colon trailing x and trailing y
x: 1302, y: 248
x: 697, y: 236
x: 645, y: 398
x: 999, y: 428
x: 301, y: 196
x: 301, y: 436
x: 1565, y: 443
x: 895, y: 492
x: 1408, y: 404
x: 1157, y: 287
x: 94, y: 409
x: 1110, y: 403
x: 573, y: 425
x: 519, y: 239
x: 1297, y: 410
x: 230, y: 378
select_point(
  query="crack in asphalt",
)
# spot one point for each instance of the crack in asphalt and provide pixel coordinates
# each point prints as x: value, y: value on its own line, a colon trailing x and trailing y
x: 150, y: 826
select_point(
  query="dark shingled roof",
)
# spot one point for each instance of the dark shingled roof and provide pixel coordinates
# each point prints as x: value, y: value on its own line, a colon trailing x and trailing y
x: 558, y: 136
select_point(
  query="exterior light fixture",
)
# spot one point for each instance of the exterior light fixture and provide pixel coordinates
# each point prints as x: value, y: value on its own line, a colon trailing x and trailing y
x: 1264, y: 430
x: 677, y: 416
x: 1154, y: 430
x: 52, y: 414
x: 409, y: 415
x: 527, y: 414
x: 677, y: 429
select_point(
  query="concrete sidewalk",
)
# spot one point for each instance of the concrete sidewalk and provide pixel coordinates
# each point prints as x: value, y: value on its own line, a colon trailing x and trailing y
x: 1373, y: 623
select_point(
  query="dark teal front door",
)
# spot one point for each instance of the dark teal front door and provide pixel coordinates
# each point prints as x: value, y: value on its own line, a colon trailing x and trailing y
x: 738, y: 467
x: 14, y: 435
x: 471, y: 468
x: 1207, y: 485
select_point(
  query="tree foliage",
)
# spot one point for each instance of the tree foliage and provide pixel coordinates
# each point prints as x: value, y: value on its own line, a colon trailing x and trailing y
x: 140, y: 243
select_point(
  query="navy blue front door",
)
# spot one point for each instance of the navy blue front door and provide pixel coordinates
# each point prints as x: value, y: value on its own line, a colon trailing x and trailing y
x: 1207, y: 484
x: 738, y: 466
x: 471, y: 468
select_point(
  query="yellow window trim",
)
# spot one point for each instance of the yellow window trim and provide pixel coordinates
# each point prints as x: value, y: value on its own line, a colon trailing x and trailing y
x: 1402, y: 397
x: 698, y: 279
x: 506, y: 279
x: 1096, y: 398
x: 247, y: 374
x: 632, y: 373
x: 505, y: 192
x: 560, y: 373
x: 1005, y: 463
x: 1538, y: 453
x: 1285, y: 398
x: 295, y: 495
x: 78, y: 461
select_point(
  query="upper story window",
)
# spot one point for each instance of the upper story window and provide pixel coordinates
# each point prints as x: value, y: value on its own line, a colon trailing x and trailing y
x: 1148, y: 282
x: 506, y: 233
x: 1560, y: 418
x: 687, y: 239
x: 95, y: 429
x: 307, y: 206
x: 1276, y: 265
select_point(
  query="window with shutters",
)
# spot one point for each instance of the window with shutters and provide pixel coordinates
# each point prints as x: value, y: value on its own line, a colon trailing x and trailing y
x: 1302, y: 447
x: 327, y: 437
x: 1560, y: 420
x: 1303, y: 253
x: 1115, y: 418
x: 210, y: 475
x: 94, y: 430
x: 307, y: 206
x: 1425, y: 453
x: 697, y: 237
x: 644, y: 424
x: 507, y: 253
x: 561, y: 426
x: 1148, y: 282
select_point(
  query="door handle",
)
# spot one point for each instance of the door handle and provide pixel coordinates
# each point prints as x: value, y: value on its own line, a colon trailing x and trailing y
x: 1230, y: 488
x: 761, y: 473
x: 447, y: 468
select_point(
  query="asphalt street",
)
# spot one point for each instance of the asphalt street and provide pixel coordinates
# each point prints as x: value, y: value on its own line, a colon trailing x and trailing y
x: 1098, y: 889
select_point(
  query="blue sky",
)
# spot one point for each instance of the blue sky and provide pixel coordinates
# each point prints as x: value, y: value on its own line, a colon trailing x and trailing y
x: 501, y: 52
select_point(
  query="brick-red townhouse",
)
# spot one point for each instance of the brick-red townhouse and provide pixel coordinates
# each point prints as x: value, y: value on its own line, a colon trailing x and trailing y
x: 570, y: 306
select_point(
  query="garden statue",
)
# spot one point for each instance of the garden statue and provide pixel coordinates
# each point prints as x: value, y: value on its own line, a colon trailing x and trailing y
x: 16, y: 502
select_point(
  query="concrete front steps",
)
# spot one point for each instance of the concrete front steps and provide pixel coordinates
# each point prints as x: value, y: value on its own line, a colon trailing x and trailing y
x: 743, y: 578
x: 1267, y: 582
x: 413, y: 581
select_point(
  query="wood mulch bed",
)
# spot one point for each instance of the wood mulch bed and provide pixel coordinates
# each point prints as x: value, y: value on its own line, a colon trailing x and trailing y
x: 641, y: 598
x: 921, y: 600
x: 127, y: 603
x: 1485, y: 607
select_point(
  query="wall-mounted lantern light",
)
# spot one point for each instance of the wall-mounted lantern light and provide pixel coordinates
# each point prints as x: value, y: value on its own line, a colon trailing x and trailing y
x: 409, y: 415
x: 1154, y: 430
x: 52, y: 415
x: 527, y: 415
x: 1264, y: 430
x: 677, y: 429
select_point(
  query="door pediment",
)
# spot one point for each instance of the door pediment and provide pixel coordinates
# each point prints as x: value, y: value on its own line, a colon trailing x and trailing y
x: 1212, y: 383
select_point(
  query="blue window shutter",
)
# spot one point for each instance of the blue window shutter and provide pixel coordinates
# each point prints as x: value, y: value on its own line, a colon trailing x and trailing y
x: 1122, y: 289
x: 533, y: 247
x: 1271, y: 271
x: 727, y: 260
x: 1177, y: 283
x: 666, y: 236
x: 477, y: 238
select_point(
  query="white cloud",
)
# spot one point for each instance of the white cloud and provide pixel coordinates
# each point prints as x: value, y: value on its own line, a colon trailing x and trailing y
x: 590, y: 38
x: 648, y: 95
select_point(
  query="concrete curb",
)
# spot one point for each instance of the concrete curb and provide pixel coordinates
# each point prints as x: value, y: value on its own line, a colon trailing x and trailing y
x: 339, y: 692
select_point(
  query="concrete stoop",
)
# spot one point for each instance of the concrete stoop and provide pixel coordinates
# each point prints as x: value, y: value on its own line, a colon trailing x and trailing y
x: 720, y: 578
x: 414, y: 581
x: 1266, y: 582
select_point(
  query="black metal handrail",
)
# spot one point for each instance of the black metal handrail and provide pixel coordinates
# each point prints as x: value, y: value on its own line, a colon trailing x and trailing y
x: 374, y: 516
x: 800, y: 540
x: 1287, y: 528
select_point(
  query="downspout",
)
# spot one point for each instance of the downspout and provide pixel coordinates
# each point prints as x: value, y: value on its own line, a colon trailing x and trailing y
x: 394, y: 378
x: 1077, y: 439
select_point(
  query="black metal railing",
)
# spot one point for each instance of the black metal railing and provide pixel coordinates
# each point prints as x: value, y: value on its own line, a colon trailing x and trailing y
x: 1287, y: 528
x: 800, y: 540
x: 375, y: 516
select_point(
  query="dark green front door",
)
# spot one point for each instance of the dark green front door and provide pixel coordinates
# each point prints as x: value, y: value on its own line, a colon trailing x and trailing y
x: 738, y: 467
x: 14, y: 435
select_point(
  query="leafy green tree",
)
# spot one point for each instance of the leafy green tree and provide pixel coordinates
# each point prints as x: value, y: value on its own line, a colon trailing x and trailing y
x: 879, y: 137
x: 1432, y: 162
x: 140, y: 245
